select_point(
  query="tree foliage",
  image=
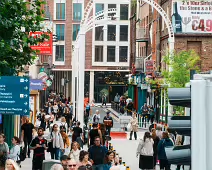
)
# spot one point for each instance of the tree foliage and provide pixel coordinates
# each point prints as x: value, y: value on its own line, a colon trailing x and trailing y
x: 16, y: 22
x: 180, y: 63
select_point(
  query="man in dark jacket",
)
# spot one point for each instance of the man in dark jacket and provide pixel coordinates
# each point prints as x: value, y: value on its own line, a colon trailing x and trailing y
x: 97, y: 154
x: 108, y: 121
x: 166, y: 141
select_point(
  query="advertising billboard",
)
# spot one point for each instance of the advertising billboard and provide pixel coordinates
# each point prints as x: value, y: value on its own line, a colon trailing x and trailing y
x: 45, y: 48
x: 192, y: 16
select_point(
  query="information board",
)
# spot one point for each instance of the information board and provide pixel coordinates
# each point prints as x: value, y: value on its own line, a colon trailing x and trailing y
x: 14, y: 95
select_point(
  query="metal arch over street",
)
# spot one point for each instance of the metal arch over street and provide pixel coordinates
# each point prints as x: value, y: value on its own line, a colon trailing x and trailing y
x: 78, y: 62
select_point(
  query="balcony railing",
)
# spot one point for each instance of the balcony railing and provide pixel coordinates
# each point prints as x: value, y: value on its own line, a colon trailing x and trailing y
x: 139, y: 63
x: 142, y: 33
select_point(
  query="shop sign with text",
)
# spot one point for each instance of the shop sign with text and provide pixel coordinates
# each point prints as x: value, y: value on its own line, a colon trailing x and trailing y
x: 44, y: 48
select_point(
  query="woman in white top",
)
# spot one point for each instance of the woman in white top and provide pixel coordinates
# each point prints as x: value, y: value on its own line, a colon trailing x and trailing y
x: 75, y: 151
x: 15, y: 150
x: 57, y: 142
x: 145, y: 150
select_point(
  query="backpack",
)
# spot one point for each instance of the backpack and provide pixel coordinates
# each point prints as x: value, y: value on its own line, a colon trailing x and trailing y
x: 22, y: 155
x: 63, y: 127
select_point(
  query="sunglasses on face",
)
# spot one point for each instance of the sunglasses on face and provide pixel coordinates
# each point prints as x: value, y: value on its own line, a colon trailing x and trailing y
x: 73, y: 165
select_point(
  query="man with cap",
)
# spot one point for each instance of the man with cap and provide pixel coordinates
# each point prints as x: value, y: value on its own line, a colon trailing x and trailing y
x: 108, y: 121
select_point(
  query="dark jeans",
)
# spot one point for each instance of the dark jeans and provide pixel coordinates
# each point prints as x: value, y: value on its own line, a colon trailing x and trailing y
x: 37, y: 162
x: 135, y: 135
x: 108, y: 129
x: 97, y: 167
x: 165, y: 164
x: 144, y: 119
x: 55, y: 153
x: 152, y: 117
x: 27, y: 142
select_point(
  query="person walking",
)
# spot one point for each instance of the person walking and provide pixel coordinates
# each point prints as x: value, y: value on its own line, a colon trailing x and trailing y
x: 84, y: 159
x: 156, y: 140
x: 97, y: 154
x: 15, y: 150
x: 38, y: 145
x: 151, y: 114
x: 63, y: 125
x: 11, y: 165
x: 93, y: 134
x: 144, y: 112
x: 75, y: 152
x: 179, y: 142
x: 164, y: 142
x: 4, y: 150
x: 77, y: 135
x: 109, y: 160
x: 66, y: 142
x: 27, y: 133
x: 108, y: 121
x: 104, y: 100
x: 57, y: 142
x: 133, y: 126
x: 145, y: 152
x: 96, y: 117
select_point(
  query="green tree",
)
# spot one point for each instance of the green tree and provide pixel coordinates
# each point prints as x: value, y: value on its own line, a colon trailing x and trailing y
x: 16, y: 22
x: 181, y: 63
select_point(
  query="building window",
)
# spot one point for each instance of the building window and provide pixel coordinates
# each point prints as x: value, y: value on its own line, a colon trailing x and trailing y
x: 60, y: 53
x: 60, y: 11
x: 124, y: 12
x: 123, y: 53
x: 99, y: 33
x: 99, y: 7
x: 77, y: 11
x: 111, y: 53
x: 111, y: 33
x: 98, y: 53
x: 76, y: 28
x: 60, y: 32
x: 110, y: 6
x: 123, y: 32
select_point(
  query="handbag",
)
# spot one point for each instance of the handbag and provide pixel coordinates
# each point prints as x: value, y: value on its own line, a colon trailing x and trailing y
x: 50, y: 145
x: 129, y: 127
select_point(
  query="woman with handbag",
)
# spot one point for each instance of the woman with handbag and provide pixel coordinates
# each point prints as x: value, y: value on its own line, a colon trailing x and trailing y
x: 145, y: 152
x: 56, y: 144
x: 133, y: 126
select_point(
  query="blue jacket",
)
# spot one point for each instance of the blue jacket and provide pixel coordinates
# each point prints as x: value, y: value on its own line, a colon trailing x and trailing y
x: 107, y: 166
x: 161, y: 148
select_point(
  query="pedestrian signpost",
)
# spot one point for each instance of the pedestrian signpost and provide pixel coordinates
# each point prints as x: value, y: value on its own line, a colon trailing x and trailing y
x: 14, y: 95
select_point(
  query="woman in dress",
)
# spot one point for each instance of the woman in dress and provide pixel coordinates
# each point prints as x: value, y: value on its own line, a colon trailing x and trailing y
x: 156, y: 140
x: 75, y: 151
x: 145, y: 152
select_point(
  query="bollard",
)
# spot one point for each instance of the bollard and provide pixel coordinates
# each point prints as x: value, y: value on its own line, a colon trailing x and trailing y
x: 124, y: 163
x: 127, y: 168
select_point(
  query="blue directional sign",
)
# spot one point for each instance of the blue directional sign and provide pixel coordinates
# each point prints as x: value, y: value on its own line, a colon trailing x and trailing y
x: 14, y: 95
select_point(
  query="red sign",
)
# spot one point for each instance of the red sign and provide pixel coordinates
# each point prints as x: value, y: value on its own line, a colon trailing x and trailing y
x: 149, y: 64
x: 45, y: 48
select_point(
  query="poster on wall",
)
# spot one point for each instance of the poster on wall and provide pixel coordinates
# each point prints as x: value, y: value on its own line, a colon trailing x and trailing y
x: 192, y: 16
x: 31, y: 105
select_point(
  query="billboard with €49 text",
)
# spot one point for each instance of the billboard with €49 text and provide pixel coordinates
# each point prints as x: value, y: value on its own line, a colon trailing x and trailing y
x: 192, y: 16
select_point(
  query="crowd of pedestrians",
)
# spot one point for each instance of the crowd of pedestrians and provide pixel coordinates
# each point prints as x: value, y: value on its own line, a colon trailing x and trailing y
x: 151, y: 149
